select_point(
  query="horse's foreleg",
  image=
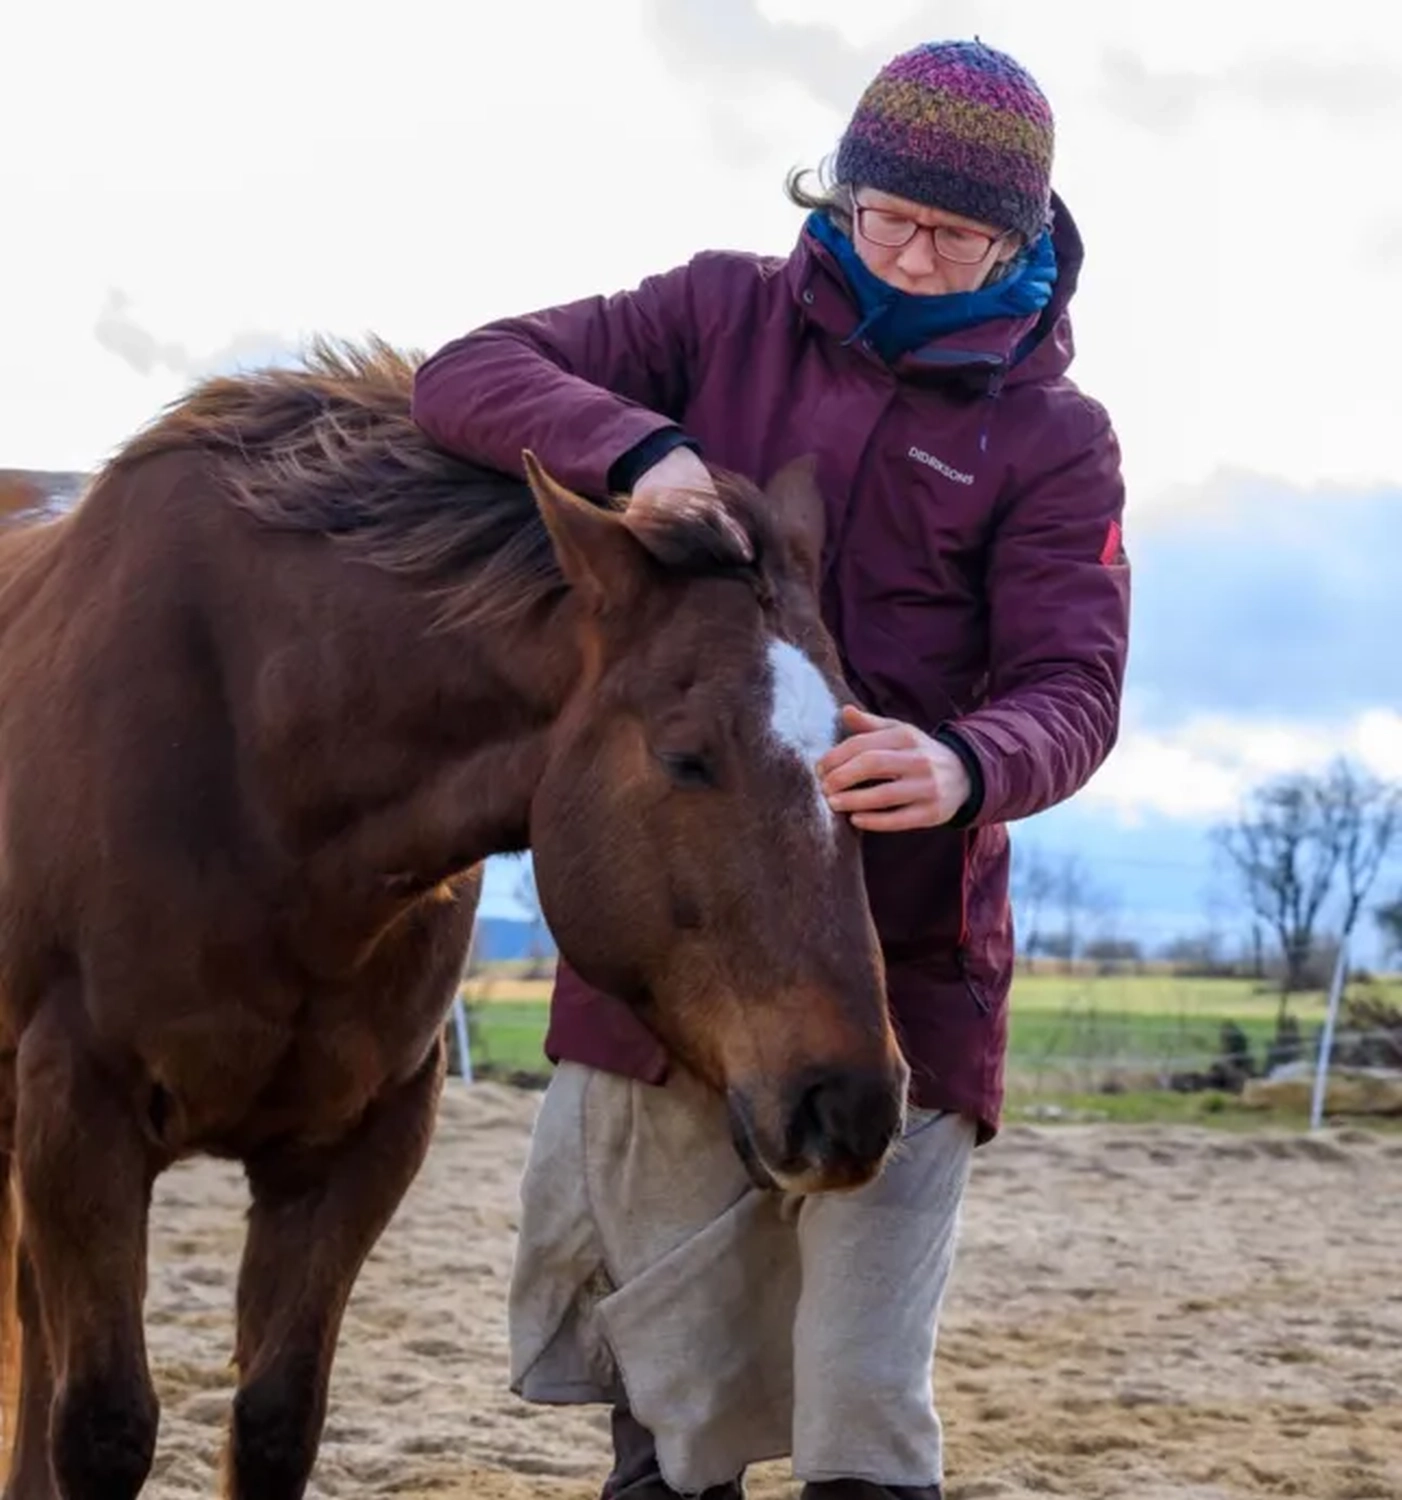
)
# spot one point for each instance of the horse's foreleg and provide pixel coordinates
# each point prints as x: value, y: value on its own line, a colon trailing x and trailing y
x: 85, y: 1175
x: 315, y: 1217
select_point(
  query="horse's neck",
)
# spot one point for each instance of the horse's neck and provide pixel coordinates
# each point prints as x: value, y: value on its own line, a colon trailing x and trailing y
x: 26, y: 551
x: 450, y: 741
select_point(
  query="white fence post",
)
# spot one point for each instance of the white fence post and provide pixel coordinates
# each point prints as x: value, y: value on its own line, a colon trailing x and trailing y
x: 464, y: 1044
x: 1326, y: 1040
x: 460, y: 1029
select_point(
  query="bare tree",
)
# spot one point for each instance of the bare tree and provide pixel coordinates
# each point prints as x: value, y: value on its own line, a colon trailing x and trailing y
x: 1225, y: 947
x: 1113, y: 952
x: 1258, y: 951
x: 1369, y: 815
x: 1033, y: 885
x: 1388, y: 916
x: 1298, y: 836
x: 1286, y: 859
x: 1076, y: 899
x: 1195, y: 954
x: 538, y: 945
x: 1105, y: 908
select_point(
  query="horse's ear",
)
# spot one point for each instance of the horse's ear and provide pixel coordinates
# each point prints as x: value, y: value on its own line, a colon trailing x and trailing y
x: 798, y: 506
x: 596, y: 552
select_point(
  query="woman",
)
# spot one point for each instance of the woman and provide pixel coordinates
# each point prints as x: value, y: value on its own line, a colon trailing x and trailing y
x: 917, y: 341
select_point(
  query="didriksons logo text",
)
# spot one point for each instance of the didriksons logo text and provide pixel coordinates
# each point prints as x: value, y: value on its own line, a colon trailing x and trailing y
x: 939, y: 465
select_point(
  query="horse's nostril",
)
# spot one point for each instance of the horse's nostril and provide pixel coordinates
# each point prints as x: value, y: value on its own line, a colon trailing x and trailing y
x: 845, y: 1114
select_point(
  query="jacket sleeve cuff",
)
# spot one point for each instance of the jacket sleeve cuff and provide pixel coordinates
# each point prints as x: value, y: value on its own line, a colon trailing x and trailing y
x: 966, y: 753
x: 626, y: 470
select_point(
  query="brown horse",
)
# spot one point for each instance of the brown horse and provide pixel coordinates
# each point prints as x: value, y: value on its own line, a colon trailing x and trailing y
x: 18, y: 494
x: 269, y: 695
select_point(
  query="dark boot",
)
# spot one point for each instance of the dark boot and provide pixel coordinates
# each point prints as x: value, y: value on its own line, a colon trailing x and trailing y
x: 864, y: 1489
x: 635, y: 1473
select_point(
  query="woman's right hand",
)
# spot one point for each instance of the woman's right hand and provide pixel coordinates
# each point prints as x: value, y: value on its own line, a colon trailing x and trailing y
x: 680, y: 481
x: 678, y: 469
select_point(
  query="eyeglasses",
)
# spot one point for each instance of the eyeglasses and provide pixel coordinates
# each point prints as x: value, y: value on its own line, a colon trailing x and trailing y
x: 964, y: 247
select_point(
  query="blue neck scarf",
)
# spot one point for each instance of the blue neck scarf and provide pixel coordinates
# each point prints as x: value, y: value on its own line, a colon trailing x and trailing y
x: 897, y: 322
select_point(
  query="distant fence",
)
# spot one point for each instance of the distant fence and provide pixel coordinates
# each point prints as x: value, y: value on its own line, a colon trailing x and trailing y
x: 1120, y: 1061
x: 1082, y: 1055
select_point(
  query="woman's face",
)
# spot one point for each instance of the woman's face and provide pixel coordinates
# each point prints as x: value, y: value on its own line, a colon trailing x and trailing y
x: 925, y: 250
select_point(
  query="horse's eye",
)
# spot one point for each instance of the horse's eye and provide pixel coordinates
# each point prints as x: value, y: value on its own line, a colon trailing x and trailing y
x: 687, y: 768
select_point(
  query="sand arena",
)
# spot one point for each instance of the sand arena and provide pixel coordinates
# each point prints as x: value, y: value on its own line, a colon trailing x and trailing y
x: 1156, y: 1313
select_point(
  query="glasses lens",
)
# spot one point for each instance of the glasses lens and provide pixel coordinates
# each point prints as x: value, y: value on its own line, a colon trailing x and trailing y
x: 965, y: 246
x: 882, y: 228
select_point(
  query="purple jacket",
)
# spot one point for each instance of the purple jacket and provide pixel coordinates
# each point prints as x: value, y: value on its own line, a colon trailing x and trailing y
x: 975, y: 579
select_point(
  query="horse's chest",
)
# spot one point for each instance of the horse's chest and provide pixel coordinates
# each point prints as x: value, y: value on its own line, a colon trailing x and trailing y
x: 348, y: 1051
x: 273, y: 1053
x: 318, y: 1068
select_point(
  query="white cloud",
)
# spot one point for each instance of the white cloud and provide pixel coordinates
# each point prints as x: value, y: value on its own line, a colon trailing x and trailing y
x: 1203, y: 768
x: 120, y: 332
x: 417, y: 170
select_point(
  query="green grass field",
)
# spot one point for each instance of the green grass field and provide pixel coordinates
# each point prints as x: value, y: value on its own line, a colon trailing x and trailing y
x: 1080, y: 1043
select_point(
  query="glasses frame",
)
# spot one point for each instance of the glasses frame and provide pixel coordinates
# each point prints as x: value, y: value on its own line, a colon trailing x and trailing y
x: 860, y: 210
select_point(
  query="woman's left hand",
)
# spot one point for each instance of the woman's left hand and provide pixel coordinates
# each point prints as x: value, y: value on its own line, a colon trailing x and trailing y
x: 920, y: 783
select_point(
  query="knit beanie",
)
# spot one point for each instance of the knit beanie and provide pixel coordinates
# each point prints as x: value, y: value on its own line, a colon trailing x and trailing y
x: 958, y: 126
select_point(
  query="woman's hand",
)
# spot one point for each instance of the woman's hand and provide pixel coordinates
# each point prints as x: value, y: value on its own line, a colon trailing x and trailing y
x: 679, y: 469
x: 679, y: 481
x: 920, y: 782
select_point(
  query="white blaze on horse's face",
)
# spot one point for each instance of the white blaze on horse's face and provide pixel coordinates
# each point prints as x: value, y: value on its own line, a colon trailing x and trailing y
x: 803, y: 714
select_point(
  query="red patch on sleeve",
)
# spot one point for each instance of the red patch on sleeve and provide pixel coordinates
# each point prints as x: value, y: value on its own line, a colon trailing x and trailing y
x: 1113, y: 550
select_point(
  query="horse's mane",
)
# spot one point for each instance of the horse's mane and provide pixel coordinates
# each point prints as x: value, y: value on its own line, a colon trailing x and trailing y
x: 329, y: 446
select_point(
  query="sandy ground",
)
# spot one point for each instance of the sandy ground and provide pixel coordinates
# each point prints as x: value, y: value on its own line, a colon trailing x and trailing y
x: 1161, y: 1314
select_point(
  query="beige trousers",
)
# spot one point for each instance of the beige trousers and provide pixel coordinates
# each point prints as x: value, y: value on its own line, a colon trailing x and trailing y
x: 738, y: 1326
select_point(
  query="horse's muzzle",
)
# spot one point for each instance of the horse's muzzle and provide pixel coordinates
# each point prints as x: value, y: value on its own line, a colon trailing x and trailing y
x: 829, y: 1130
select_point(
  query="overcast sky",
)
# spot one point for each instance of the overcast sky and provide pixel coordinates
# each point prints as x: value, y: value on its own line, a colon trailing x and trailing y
x: 184, y: 187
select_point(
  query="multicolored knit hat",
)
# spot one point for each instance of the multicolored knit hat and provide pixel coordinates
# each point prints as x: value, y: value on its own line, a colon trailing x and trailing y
x: 958, y: 126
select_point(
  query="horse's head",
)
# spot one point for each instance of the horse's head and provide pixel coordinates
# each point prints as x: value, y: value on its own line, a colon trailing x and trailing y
x: 685, y: 857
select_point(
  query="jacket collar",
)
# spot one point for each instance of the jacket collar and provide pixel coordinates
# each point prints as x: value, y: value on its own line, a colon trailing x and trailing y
x: 1000, y: 351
